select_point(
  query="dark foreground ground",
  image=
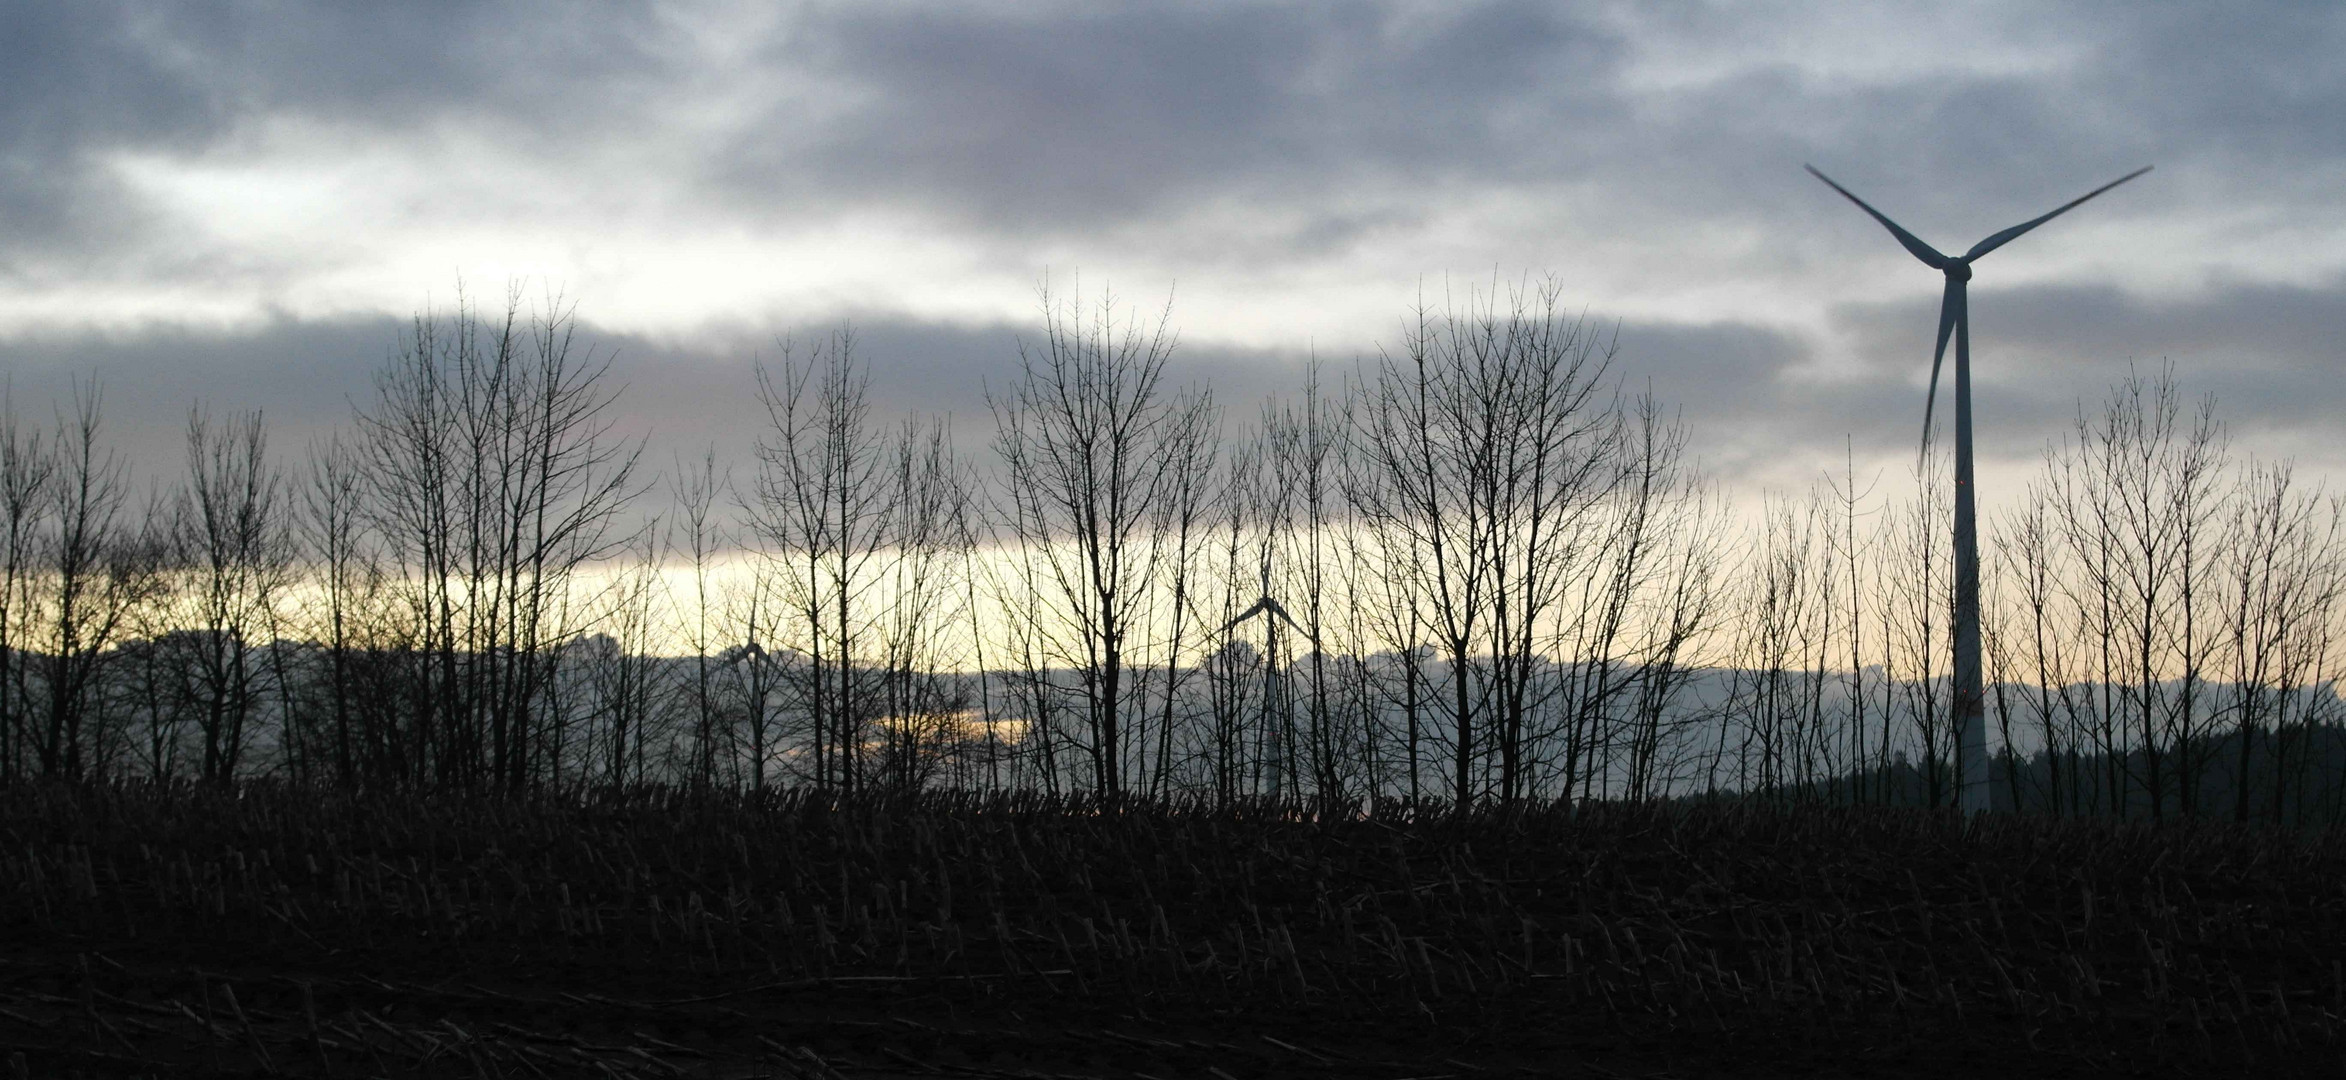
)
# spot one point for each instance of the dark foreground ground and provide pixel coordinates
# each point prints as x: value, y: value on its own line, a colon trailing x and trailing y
x: 274, y: 932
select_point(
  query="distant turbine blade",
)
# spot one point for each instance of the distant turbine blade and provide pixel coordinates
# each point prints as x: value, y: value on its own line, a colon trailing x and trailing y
x: 1950, y: 309
x: 1243, y: 616
x: 2008, y: 235
x: 1928, y: 254
x: 1280, y: 610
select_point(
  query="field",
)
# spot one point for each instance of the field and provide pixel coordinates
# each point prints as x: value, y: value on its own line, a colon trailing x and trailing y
x: 271, y: 931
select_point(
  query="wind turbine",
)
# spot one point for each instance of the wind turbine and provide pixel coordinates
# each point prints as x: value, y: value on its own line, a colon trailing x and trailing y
x: 1970, y: 715
x: 1265, y: 606
x: 1274, y: 686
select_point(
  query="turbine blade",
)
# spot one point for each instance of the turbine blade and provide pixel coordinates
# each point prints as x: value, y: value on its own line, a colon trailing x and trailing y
x: 1280, y: 610
x: 2008, y: 235
x: 1243, y: 616
x: 1928, y: 254
x: 1950, y: 309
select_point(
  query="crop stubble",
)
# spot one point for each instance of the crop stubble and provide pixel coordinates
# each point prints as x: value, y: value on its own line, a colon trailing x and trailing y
x: 170, y: 931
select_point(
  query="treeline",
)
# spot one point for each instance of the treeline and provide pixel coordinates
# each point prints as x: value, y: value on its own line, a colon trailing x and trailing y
x: 1470, y: 567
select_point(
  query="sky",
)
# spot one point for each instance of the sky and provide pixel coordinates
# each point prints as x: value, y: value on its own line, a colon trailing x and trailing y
x: 241, y: 204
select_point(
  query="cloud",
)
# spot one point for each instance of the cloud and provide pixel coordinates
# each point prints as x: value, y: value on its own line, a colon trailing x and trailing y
x: 679, y: 397
x: 1065, y: 120
x: 2040, y: 353
x: 244, y: 201
x: 304, y: 377
x: 82, y: 82
x: 1762, y: 406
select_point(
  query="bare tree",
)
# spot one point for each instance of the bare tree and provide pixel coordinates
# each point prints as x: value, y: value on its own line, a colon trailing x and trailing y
x: 1233, y: 577
x: 2281, y: 583
x: 1646, y: 565
x: 27, y: 468
x: 2027, y: 555
x: 349, y: 585
x: 751, y: 673
x: 2137, y: 494
x: 95, y: 565
x: 231, y: 549
x: 1089, y: 439
x: 923, y: 632
x: 493, y: 476
x: 1305, y: 444
x: 629, y: 697
x: 824, y: 505
x: 1915, y: 603
x: 1490, y: 437
x: 1192, y: 460
x: 1685, y: 605
x: 701, y: 538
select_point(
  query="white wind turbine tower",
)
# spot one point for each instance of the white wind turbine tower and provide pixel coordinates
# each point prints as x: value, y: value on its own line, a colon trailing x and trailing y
x: 1970, y: 713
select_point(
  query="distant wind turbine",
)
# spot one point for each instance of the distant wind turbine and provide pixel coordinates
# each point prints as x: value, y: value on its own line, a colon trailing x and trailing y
x: 1266, y: 605
x: 1954, y: 317
x: 1274, y: 686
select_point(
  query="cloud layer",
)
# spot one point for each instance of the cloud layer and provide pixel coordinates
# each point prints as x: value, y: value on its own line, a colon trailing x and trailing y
x: 241, y: 205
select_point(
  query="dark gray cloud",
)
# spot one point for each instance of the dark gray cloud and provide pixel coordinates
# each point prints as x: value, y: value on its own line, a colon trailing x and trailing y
x: 681, y: 398
x: 302, y: 376
x: 1095, y: 120
x: 1075, y: 121
x: 309, y: 379
x: 2264, y: 353
x: 1752, y: 395
x: 2258, y: 85
x: 2269, y: 352
x: 1331, y: 135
